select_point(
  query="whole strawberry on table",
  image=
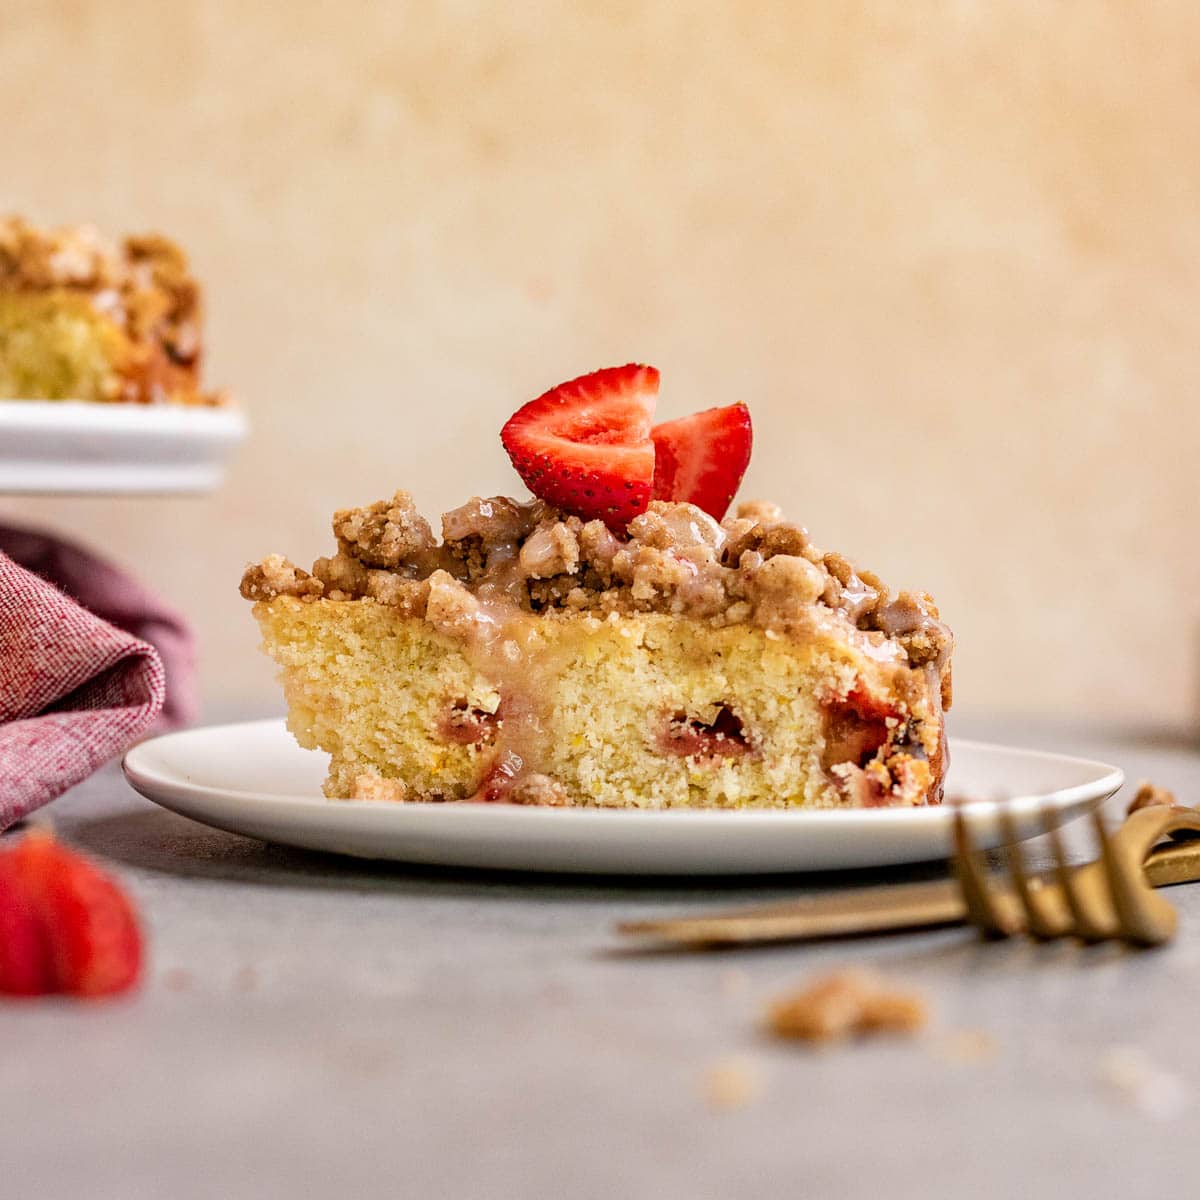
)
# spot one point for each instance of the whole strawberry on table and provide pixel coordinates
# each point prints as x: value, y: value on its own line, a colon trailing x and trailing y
x: 65, y: 926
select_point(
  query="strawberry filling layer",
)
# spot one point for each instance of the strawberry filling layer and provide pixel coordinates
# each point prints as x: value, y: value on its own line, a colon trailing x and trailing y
x: 501, y: 778
x: 688, y: 737
x: 856, y: 727
x: 467, y: 725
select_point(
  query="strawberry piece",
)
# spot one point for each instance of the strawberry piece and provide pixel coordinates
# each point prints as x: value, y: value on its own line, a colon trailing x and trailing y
x: 701, y: 459
x: 689, y: 737
x: 585, y: 446
x: 90, y: 938
x: 870, y: 705
x: 25, y: 968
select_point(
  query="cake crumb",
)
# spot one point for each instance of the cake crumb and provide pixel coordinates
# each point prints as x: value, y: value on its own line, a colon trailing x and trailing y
x: 538, y: 789
x: 731, y: 1083
x: 760, y: 511
x: 843, y: 1004
x: 734, y: 982
x: 967, y: 1046
x: 374, y: 787
x: 1150, y: 795
x: 1152, y: 1091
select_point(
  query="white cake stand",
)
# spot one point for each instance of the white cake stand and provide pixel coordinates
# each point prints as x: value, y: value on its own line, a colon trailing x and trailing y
x: 72, y: 447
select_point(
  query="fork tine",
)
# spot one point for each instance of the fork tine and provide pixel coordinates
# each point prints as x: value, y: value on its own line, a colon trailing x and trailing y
x: 1143, y: 918
x: 1043, y: 919
x: 983, y: 910
x: 1089, y: 924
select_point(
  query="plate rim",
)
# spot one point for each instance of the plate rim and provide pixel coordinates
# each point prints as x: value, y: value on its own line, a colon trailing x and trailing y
x: 86, y: 448
x: 36, y: 415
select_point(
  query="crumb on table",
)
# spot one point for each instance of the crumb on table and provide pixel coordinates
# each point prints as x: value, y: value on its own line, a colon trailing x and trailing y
x: 843, y: 1004
x: 731, y: 1083
x: 1131, y: 1075
x: 967, y: 1046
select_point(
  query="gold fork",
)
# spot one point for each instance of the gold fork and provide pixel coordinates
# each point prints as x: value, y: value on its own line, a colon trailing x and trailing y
x: 1111, y: 898
x: 944, y: 902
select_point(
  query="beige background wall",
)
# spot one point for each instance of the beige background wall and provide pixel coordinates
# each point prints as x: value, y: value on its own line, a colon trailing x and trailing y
x: 948, y: 252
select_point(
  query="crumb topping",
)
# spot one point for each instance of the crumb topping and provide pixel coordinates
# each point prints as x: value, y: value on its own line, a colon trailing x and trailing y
x: 752, y: 568
x: 275, y: 576
x: 143, y: 284
x: 388, y: 534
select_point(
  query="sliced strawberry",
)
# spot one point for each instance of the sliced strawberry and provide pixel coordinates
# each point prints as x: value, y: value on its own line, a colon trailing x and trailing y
x: 91, y: 935
x: 25, y: 968
x: 701, y: 459
x: 585, y: 446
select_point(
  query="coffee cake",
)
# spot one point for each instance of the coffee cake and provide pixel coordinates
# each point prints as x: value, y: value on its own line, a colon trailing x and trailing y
x: 561, y: 651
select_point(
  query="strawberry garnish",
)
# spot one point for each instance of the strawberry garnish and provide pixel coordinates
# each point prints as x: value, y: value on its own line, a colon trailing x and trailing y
x: 24, y: 957
x: 585, y: 446
x: 701, y: 459
x: 72, y: 929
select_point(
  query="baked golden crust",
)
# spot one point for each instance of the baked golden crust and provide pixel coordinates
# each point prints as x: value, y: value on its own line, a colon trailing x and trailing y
x: 83, y: 318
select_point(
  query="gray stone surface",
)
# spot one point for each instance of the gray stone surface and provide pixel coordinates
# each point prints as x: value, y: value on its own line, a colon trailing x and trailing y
x: 317, y: 1027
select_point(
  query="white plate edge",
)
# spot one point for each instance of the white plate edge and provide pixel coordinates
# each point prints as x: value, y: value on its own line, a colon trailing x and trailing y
x: 124, y: 418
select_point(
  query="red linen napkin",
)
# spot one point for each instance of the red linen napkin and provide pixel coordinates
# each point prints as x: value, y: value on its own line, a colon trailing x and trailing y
x: 75, y: 690
x: 118, y: 598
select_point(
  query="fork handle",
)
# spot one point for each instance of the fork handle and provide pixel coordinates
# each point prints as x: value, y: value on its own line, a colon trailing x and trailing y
x: 1178, y: 862
x: 876, y: 909
x: 860, y: 911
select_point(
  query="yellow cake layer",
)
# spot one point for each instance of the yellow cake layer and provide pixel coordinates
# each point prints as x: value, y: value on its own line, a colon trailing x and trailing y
x: 56, y: 345
x: 373, y: 687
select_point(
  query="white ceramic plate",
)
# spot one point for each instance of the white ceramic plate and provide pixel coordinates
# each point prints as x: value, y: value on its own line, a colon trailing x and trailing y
x: 253, y: 779
x: 70, y: 446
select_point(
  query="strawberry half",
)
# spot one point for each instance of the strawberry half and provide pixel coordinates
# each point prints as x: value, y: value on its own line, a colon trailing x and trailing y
x: 701, y: 459
x: 24, y: 957
x: 76, y: 930
x: 585, y: 446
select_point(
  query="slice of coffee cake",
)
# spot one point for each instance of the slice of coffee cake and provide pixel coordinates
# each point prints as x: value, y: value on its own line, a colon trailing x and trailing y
x: 82, y: 319
x: 608, y: 645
